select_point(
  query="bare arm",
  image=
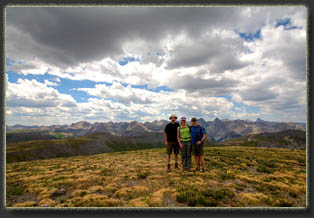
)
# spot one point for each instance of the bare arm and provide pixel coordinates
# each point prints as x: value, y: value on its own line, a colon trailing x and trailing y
x: 203, y: 138
x: 165, y: 135
x: 178, y: 135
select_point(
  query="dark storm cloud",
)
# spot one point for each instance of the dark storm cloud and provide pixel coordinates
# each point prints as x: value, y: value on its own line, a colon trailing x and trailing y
x: 296, y: 63
x: 219, y: 52
x: 75, y: 35
x: 258, y: 95
x: 263, y: 90
x: 22, y: 66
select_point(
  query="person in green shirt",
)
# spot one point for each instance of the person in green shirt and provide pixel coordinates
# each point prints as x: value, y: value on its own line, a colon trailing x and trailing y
x: 184, y: 139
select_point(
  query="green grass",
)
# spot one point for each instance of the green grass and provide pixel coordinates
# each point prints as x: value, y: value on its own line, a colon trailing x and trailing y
x: 143, y: 175
x: 14, y: 190
x: 203, y: 198
x: 234, y: 177
x: 264, y: 169
x: 106, y: 172
x: 61, y: 135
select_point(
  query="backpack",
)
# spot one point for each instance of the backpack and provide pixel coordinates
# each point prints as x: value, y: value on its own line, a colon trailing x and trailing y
x: 199, y: 133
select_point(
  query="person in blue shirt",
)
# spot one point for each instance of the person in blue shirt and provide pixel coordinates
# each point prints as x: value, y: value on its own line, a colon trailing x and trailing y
x: 198, y: 137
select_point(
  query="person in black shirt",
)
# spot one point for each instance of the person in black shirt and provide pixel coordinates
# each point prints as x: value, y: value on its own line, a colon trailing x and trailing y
x: 171, y: 140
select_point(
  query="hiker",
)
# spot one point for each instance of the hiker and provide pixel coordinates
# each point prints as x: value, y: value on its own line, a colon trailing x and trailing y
x: 184, y: 139
x: 171, y: 140
x: 198, y: 137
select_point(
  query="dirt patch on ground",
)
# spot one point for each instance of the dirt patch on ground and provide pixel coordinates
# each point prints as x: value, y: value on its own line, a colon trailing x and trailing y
x: 21, y: 198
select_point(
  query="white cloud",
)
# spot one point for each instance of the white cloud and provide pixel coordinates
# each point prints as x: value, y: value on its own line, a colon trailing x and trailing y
x: 200, y: 58
x: 145, y: 103
x: 49, y: 83
x: 29, y: 101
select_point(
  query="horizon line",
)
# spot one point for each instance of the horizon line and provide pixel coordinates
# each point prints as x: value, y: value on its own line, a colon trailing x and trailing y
x: 130, y: 121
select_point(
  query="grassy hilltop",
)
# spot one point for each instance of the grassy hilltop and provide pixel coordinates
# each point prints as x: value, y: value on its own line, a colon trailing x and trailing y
x: 94, y: 143
x: 234, y: 177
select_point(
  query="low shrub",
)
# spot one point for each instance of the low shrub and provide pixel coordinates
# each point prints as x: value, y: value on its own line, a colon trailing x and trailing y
x: 292, y: 194
x: 15, y: 190
x: 106, y: 172
x: 205, y: 198
x: 264, y: 169
x: 143, y: 175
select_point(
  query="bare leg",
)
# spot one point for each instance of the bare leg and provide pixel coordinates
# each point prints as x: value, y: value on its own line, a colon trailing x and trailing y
x: 176, y: 158
x: 202, y: 161
x: 196, y: 161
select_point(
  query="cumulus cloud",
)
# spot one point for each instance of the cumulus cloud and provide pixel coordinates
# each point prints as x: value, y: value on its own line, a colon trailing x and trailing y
x: 276, y: 80
x: 201, y: 56
x: 104, y: 28
x: 32, y: 101
x: 145, y: 103
x: 31, y: 93
x: 218, y: 49
x: 122, y: 94
x: 49, y: 83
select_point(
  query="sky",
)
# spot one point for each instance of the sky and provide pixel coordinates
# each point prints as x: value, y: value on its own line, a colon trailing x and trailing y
x: 99, y: 64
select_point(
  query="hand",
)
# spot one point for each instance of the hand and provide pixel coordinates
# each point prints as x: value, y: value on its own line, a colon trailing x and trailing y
x: 166, y: 143
x: 181, y: 146
x: 198, y: 142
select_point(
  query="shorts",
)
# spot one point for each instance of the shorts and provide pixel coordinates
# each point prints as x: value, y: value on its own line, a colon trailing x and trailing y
x: 198, y: 150
x: 173, y: 146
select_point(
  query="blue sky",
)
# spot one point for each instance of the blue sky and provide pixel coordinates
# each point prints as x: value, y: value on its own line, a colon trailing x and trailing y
x: 237, y: 68
x: 127, y: 60
x: 251, y: 36
x: 286, y: 23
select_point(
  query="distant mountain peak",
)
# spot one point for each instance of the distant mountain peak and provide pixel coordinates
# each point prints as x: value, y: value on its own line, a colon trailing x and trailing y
x: 81, y: 123
x: 259, y: 120
x: 217, y: 120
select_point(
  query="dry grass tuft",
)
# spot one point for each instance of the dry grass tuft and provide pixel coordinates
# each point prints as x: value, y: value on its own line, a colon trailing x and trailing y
x: 157, y: 198
x: 96, y: 188
x: 140, y: 189
x: 126, y: 191
x: 79, y: 193
x: 25, y: 204
x: 254, y: 199
x: 47, y: 202
x: 140, y: 179
x: 111, y: 188
x: 138, y: 202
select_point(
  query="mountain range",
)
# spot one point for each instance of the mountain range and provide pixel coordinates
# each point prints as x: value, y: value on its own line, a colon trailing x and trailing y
x: 290, y: 139
x: 217, y: 130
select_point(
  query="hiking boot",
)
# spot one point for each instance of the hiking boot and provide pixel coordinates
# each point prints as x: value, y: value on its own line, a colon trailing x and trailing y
x: 203, y: 170
x: 176, y: 166
x: 168, y: 167
x: 197, y: 169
